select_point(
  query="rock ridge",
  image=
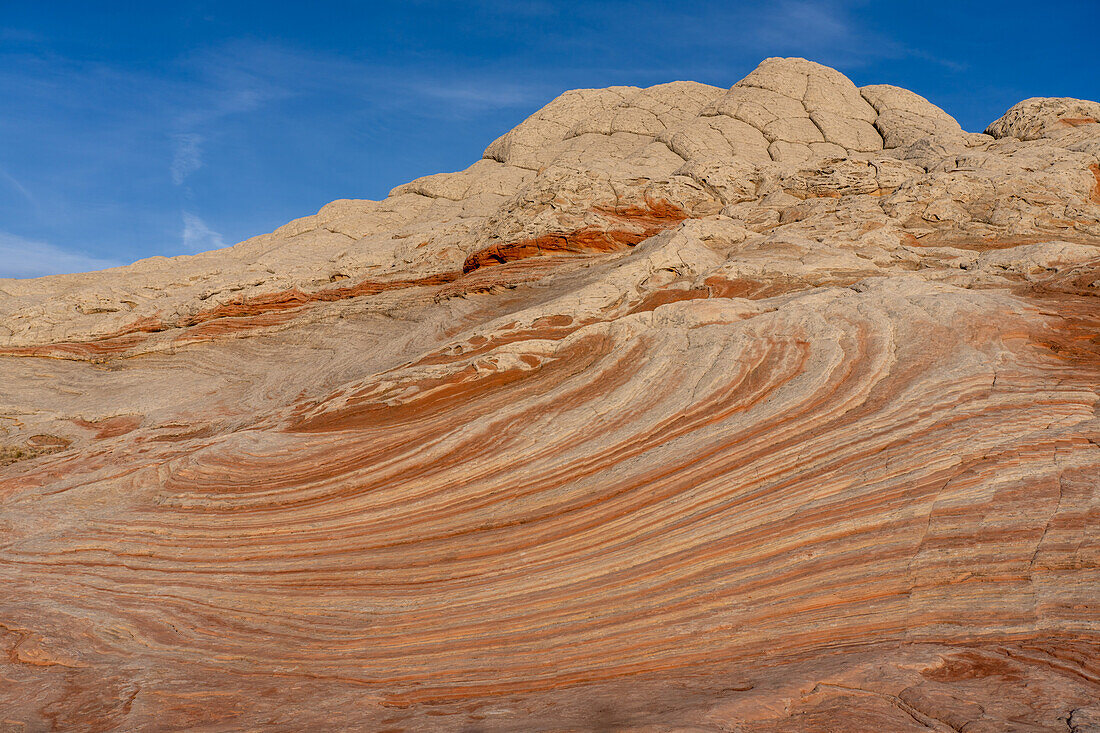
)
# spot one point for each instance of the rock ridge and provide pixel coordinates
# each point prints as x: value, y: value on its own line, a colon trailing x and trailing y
x: 768, y: 408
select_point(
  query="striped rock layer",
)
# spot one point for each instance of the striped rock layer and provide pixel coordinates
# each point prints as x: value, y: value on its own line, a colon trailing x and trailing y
x: 764, y: 409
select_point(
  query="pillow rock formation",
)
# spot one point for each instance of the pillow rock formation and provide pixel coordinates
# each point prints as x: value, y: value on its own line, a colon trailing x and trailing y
x: 772, y: 408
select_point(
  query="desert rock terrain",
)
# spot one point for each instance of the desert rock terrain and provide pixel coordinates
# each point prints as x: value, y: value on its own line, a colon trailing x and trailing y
x: 769, y: 408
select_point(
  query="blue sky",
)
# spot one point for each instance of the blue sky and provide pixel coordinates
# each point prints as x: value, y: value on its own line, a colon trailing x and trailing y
x: 131, y: 129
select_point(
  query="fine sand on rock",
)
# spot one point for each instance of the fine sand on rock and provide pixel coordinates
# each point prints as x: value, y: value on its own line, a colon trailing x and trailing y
x: 772, y: 408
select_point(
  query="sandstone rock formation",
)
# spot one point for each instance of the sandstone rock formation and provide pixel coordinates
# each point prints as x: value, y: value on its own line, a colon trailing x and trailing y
x: 762, y: 409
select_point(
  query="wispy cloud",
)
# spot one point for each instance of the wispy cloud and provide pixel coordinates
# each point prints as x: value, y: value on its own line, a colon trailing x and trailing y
x: 723, y: 36
x: 14, y: 183
x: 231, y: 79
x: 243, y: 76
x: 477, y: 96
x: 187, y: 157
x: 197, y: 236
x: 22, y: 257
x: 19, y: 35
x: 830, y: 31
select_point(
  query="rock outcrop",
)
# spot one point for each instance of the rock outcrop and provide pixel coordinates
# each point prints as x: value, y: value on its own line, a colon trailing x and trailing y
x: 764, y: 409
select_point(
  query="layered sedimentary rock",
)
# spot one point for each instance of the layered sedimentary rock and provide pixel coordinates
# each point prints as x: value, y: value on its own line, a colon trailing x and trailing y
x: 762, y: 409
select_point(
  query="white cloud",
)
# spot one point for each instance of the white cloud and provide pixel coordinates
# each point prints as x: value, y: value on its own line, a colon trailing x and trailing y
x: 187, y: 157
x: 245, y: 76
x: 14, y: 183
x: 197, y: 236
x: 21, y: 257
x: 476, y: 96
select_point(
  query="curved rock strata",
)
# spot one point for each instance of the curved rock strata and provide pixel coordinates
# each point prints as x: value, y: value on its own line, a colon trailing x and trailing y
x: 762, y: 409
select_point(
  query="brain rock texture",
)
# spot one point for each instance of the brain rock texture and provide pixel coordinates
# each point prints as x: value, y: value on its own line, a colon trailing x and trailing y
x: 769, y: 408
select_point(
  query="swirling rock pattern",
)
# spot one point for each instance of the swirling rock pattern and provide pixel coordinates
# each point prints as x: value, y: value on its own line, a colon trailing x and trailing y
x: 768, y: 409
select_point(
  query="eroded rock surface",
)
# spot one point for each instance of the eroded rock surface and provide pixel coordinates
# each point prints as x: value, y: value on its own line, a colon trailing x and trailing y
x: 763, y: 409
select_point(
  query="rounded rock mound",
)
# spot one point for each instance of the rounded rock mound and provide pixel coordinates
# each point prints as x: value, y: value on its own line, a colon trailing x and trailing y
x: 1041, y: 117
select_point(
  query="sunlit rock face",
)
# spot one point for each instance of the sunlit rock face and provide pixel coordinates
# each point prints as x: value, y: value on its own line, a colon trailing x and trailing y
x: 763, y: 409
